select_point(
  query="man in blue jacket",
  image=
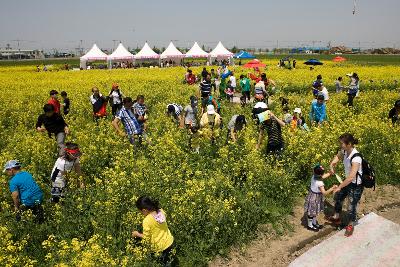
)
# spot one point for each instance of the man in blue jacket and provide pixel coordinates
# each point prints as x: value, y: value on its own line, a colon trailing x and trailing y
x: 25, y: 192
x: 318, y: 111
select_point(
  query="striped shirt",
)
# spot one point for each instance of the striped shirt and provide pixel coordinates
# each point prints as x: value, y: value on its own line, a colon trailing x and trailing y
x: 205, y: 88
x: 178, y: 108
x: 129, y: 121
x: 139, y: 109
x: 274, y: 132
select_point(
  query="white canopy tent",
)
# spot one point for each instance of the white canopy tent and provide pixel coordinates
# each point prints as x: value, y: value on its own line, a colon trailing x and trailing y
x: 196, y: 52
x: 94, y: 54
x: 120, y: 54
x: 220, y: 52
x: 146, y: 54
x: 172, y: 54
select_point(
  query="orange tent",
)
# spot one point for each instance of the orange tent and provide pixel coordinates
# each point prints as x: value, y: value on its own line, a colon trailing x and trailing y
x: 339, y: 59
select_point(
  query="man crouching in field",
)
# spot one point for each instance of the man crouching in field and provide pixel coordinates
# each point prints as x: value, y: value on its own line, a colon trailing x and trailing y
x: 25, y: 192
x: 132, y: 127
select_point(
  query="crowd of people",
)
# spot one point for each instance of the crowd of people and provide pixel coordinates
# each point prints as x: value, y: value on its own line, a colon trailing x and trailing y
x: 201, y: 118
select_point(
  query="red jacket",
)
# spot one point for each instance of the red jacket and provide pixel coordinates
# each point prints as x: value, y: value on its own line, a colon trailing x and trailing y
x: 191, y: 79
x: 55, y: 103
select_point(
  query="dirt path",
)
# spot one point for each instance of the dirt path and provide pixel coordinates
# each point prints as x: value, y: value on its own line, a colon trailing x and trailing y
x: 271, y: 249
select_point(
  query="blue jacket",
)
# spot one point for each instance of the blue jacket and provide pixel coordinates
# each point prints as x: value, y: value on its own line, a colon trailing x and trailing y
x: 318, y: 112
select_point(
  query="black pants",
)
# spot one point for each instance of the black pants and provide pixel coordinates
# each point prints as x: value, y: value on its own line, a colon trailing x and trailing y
x: 115, y: 108
x: 37, y: 210
x: 168, y: 257
x: 350, y: 98
x: 275, y: 149
x: 247, y: 95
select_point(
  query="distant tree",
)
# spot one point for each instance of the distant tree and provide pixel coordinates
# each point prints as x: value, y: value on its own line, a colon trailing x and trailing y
x: 234, y: 49
x: 182, y: 50
x: 155, y: 49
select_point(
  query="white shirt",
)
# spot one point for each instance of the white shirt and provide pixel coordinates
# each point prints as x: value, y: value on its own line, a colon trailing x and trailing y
x: 316, y: 184
x: 61, y: 165
x: 324, y: 92
x: 94, y: 100
x: 232, y: 122
x: 116, y: 98
x: 347, y: 165
x: 233, y: 81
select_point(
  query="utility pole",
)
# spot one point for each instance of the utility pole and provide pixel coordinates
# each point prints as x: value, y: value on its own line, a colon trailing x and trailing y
x: 19, y: 51
x: 81, y: 47
x: 114, y: 44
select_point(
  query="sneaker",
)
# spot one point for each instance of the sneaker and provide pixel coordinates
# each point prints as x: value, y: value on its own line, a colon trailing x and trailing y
x: 313, y: 228
x: 349, y: 230
x: 317, y: 225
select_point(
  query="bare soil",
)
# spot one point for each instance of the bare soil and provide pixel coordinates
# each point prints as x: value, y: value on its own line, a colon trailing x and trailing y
x: 273, y: 249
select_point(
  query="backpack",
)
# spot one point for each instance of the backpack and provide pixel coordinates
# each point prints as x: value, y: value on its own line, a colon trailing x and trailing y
x: 368, y: 176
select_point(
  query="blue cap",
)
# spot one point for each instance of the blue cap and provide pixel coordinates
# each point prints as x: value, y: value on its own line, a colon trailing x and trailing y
x: 11, y: 164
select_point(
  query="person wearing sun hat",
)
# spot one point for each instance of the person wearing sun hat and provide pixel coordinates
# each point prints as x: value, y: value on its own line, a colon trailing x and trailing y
x: 298, y: 121
x: 354, y: 87
x: 211, y: 122
x: 63, y: 166
x: 25, y: 192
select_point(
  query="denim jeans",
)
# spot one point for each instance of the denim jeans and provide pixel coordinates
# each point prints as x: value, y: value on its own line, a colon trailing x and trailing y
x: 354, y: 193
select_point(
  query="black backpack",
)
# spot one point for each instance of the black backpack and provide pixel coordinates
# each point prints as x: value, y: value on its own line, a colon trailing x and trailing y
x: 368, y: 174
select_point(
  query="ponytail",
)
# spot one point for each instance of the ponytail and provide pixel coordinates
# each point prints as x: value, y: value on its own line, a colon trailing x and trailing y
x: 348, y: 139
x: 145, y: 202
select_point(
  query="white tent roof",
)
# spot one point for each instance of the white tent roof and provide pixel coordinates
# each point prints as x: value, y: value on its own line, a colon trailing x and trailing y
x: 121, y: 53
x: 196, y: 51
x: 94, y: 54
x: 146, y: 52
x: 220, y: 51
x: 171, y: 52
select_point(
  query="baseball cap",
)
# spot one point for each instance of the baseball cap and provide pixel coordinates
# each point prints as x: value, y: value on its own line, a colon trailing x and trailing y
x: 297, y: 110
x: 261, y: 105
x: 210, y: 109
x: 11, y: 164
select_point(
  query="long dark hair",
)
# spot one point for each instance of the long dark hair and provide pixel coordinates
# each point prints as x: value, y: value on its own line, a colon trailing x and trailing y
x: 145, y: 202
x: 348, y: 139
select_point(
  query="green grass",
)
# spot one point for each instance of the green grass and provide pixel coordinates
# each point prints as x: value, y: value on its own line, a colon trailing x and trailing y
x: 352, y: 59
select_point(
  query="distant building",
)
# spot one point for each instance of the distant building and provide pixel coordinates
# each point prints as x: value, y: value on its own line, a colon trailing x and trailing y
x: 309, y: 50
x: 21, y: 54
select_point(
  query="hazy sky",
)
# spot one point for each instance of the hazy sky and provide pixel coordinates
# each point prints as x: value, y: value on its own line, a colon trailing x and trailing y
x: 46, y: 24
